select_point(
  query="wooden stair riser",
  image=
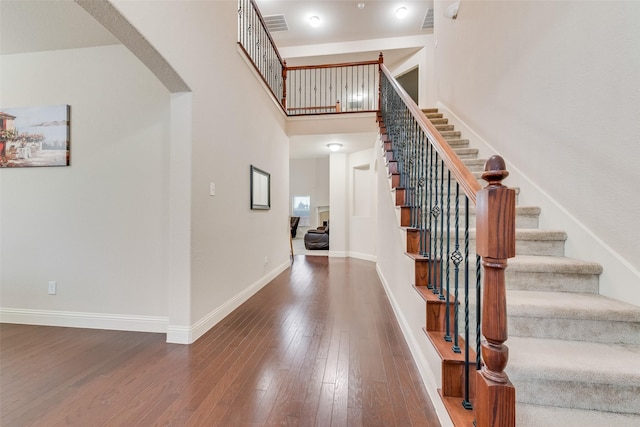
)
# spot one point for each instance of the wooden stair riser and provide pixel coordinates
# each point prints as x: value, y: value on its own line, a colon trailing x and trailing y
x: 413, y: 240
x: 400, y: 193
x: 389, y: 156
x: 392, y: 166
x: 453, y: 366
x: 395, y: 183
x: 427, y: 272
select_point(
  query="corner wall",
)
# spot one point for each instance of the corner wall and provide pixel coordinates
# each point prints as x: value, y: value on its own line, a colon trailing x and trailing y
x: 98, y: 227
x: 235, y: 123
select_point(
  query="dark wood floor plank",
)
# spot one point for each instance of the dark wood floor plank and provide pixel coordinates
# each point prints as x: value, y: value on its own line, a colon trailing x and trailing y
x: 317, y: 346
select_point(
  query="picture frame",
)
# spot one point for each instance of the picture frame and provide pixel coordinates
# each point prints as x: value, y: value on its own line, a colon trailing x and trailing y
x: 260, y: 189
x: 35, y: 136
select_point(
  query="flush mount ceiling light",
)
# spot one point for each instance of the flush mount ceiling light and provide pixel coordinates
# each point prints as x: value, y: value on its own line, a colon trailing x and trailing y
x: 314, y: 21
x: 402, y: 12
x: 334, y: 146
x: 361, y: 5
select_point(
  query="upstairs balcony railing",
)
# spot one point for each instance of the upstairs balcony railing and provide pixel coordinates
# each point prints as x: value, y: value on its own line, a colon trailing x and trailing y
x: 316, y: 89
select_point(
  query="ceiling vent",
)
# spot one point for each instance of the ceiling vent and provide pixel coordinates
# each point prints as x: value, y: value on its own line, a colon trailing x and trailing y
x: 276, y: 23
x: 427, y: 24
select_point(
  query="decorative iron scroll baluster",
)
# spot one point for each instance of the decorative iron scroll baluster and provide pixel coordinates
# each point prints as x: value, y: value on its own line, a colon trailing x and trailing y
x: 456, y: 258
x: 432, y: 234
x: 441, y: 258
x: 466, y: 402
x: 435, y: 236
x: 447, y: 259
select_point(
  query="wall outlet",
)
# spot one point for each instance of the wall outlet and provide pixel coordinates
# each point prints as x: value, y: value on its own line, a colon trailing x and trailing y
x: 266, y: 260
x: 53, y: 287
x: 212, y: 189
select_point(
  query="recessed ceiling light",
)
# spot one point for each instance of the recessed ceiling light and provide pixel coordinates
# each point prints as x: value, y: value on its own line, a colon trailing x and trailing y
x: 401, y: 12
x: 334, y: 146
x: 361, y: 5
x: 314, y: 21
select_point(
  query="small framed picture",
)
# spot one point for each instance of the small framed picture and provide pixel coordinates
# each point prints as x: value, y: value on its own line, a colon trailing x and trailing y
x: 260, y: 189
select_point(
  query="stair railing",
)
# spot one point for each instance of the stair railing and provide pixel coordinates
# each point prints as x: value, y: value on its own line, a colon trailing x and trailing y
x: 441, y: 193
x: 255, y: 41
x: 313, y: 89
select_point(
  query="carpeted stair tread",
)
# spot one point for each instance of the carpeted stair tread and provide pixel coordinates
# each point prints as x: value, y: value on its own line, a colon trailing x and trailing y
x: 528, y: 415
x: 571, y: 305
x: 553, y: 264
x: 584, y: 361
x: 575, y: 374
x: 458, y: 143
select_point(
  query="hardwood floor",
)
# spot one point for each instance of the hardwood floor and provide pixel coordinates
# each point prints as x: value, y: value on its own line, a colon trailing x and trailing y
x: 317, y: 346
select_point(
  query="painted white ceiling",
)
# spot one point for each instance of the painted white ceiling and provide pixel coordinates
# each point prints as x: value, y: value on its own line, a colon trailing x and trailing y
x: 342, y: 20
x: 40, y: 25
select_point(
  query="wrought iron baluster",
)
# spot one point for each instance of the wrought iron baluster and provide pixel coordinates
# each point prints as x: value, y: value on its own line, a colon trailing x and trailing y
x: 466, y: 403
x: 456, y: 258
x: 441, y: 236
x: 447, y: 335
x: 435, y: 213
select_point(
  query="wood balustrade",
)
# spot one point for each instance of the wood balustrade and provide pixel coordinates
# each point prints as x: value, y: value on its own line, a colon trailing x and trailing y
x: 470, y: 388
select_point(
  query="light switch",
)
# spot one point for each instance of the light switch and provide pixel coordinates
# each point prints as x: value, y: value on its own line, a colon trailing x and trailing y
x: 212, y: 189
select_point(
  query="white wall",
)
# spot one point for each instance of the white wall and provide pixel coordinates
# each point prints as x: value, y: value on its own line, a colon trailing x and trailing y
x: 98, y: 227
x: 235, y: 124
x: 554, y: 88
x: 353, y: 216
x: 362, y: 205
x: 310, y: 177
x: 395, y: 270
x: 425, y: 61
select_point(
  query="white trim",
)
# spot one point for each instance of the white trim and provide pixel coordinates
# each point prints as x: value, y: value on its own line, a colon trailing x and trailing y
x: 71, y: 319
x: 619, y: 276
x: 422, y: 363
x: 188, y: 335
x: 338, y: 254
x: 366, y: 257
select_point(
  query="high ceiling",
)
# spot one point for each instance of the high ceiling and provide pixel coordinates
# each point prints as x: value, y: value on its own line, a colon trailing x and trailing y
x: 343, y: 20
x: 41, y: 25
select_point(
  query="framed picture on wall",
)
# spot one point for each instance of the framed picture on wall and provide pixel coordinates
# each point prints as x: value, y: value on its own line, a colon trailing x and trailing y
x: 34, y: 136
x: 260, y: 189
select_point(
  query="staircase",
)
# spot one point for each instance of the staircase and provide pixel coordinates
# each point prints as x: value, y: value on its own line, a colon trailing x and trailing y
x: 574, y: 354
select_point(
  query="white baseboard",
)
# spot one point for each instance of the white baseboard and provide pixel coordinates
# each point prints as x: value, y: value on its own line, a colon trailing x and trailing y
x: 422, y: 363
x: 337, y: 254
x: 188, y: 335
x: 72, y: 319
x: 366, y: 257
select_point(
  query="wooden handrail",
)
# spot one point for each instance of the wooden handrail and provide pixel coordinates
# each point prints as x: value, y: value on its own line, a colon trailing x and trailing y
x: 462, y: 174
x: 264, y: 25
x: 344, y: 64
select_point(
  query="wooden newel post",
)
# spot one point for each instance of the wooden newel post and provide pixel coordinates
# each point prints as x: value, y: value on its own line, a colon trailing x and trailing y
x: 496, y: 242
x: 284, y: 85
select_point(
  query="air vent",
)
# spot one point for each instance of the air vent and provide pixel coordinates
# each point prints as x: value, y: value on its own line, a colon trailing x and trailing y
x: 427, y: 24
x: 276, y: 23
